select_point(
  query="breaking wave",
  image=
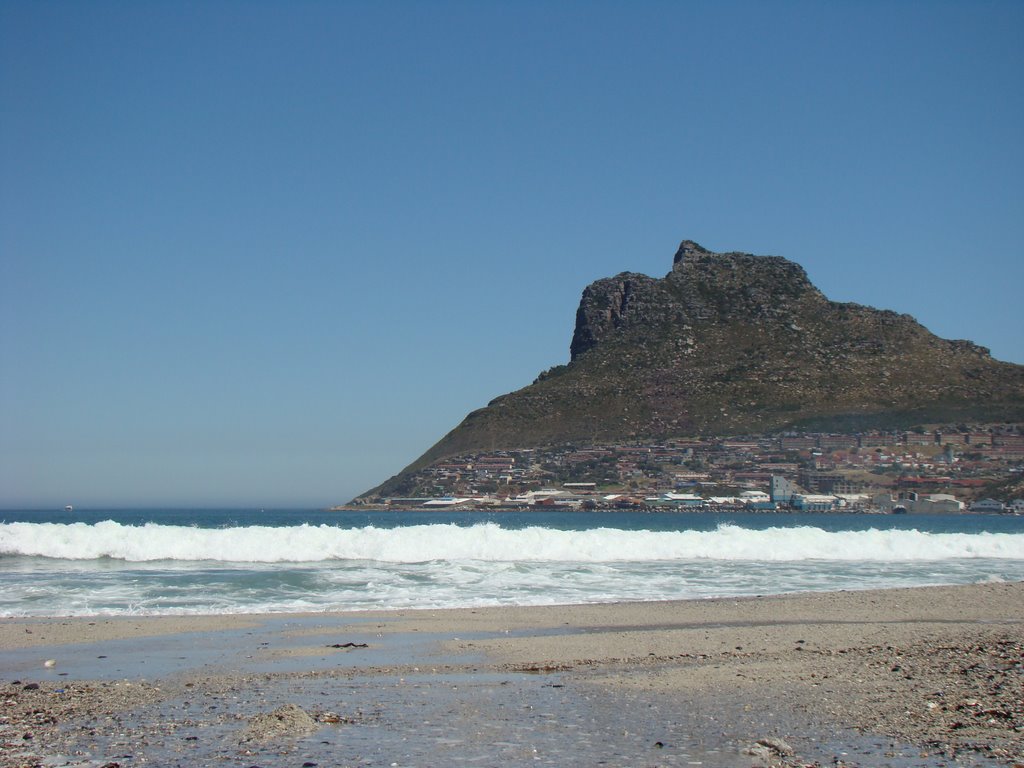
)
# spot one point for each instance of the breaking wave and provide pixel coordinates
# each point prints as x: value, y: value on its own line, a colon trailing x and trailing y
x: 489, y: 542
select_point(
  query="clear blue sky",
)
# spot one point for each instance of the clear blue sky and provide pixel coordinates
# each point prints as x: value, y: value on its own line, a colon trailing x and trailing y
x: 267, y: 253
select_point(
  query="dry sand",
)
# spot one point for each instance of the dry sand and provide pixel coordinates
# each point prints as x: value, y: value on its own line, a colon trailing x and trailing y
x: 898, y: 677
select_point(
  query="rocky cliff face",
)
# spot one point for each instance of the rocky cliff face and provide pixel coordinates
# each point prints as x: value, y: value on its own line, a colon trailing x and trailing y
x: 703, y: 287
x: 732, y: 343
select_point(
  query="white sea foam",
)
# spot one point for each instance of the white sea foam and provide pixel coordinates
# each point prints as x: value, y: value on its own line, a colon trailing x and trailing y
x: 115, y: 569
x: 491, y: 543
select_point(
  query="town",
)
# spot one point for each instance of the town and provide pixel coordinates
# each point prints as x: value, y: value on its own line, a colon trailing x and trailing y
x: 939, y: 470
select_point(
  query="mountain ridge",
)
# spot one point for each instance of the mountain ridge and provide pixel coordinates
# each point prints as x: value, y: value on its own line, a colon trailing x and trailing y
x: 734, y: 343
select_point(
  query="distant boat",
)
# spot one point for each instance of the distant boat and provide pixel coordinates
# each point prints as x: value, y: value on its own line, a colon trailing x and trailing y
x: 68, y: 508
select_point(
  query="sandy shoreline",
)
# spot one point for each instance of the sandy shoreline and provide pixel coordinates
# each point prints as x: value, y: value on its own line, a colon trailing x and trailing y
x: 918, y: 675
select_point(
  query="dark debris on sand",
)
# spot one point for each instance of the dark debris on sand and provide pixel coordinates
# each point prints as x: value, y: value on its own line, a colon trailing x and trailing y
x: 947, y: 699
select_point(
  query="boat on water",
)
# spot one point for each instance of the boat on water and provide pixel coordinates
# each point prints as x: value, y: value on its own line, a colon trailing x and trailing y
x: 68, y: 508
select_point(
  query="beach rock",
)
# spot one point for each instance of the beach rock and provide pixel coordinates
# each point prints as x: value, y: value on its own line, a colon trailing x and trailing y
x: 778, y: 746
x: 289, y: 721
x: 334, y: 718
x: 759, y: 752
x: 768, y: 750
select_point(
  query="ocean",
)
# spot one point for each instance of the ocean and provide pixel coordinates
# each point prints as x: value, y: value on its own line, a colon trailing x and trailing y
x: 173, y: 562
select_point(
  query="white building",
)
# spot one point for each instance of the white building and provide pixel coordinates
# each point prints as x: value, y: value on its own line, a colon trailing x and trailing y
x: 988, y: 506
x: 782, y: 490
x: 810, y: 502
x: 682, y: 499
x: 930, y: 504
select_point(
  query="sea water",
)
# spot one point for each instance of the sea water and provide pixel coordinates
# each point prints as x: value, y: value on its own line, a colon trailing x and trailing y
x: 156, y: 562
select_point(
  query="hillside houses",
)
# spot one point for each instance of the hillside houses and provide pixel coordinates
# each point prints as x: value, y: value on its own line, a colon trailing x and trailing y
x: 943, y: 469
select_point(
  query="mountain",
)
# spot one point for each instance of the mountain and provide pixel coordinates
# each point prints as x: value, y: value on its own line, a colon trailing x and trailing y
x: 732, y: 343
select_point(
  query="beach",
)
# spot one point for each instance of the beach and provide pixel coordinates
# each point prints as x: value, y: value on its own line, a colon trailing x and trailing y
x: 904, y: 677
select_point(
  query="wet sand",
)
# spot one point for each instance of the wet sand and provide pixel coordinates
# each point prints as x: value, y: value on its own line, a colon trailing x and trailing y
x: 917, y: 677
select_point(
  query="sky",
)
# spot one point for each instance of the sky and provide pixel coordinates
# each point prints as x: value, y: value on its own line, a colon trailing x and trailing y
x: 265, y: 254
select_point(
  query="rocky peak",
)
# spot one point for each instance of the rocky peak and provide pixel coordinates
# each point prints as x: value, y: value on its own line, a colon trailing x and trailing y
x: 731, y: 272
x: 689, y: 250
x: 703, y: 287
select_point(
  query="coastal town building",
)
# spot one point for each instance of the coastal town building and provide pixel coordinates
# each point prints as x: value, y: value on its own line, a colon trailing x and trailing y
x: 988, y: 505
x: 782, y: 490
x: 913, y: 503
x: 810, y: 502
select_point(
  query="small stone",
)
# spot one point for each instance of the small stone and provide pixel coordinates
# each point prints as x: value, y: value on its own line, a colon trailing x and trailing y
x: 759, y: 751
x: 778, y: 746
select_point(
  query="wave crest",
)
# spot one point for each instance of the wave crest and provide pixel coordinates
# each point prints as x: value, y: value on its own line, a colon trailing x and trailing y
x: 489, y: 542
